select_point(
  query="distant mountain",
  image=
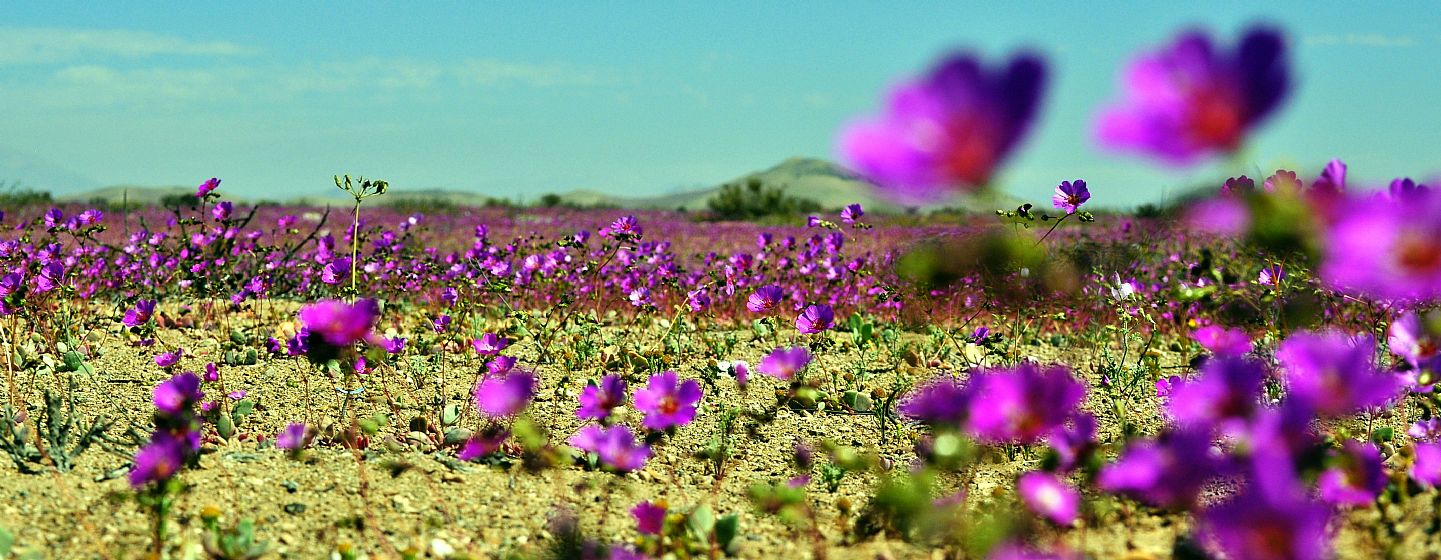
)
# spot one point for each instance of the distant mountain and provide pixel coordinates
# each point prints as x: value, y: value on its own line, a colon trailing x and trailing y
x: 26, y: 171
x: 826, y: 183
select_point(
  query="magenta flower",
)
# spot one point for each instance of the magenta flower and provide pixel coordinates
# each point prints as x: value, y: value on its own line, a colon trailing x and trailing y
x: 490, y: 344
x: 1427, y: 467
x: 221, y: 210
x: 294, y: 437
x: 1222, y: 341
x: 1332, y: 179
x: 500, y: 365
x: 140, y: 314
x: 764, y: 299
x: 950, y: 128
x: 1073, y: 443
x: 649, y: 518
x: 1191, y: 99
x: 207, y: 187
x: 942, y: 402
x: 666, y: 402
x: 1271, y: 518
x: 1386, y: 249
x: 815, y: 319
x: 784, y: 363
x: 1333, y: 374
x: 1049, y: 497
x: 1271, y: 275
x: 484, y: 443
x: 614, y: 446
x: 337, y: 323
x: 1412, y: 341
x: 698, y: 301
x: 177, y: 394
x: 1356, y: 478
x: 1227, y: 392
x: 1169, y: 472
x: 1022, y: 404
x: 852, y: 213
x: 623, y: 228
x: 597, y: 401
x: 169, y: 359
x: 158, y: 461
x: 503, y: 396
x: 1070, y: 195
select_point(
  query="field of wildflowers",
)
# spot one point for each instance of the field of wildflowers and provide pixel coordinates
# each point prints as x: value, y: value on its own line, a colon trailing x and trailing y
x: 1249, y: 376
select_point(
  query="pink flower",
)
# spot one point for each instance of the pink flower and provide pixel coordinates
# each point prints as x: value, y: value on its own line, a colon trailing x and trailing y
x: 507, y: 395
x: 1049, y: 497
x: 815, y: 319
x: 666, y: 402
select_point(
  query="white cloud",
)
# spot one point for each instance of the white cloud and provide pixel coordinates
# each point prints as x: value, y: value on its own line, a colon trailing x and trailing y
x: 1376, y: 40
x: 486, y: 71
x: 50, y: 45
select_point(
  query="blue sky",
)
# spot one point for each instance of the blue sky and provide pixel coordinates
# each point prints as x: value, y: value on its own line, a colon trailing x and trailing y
x: 640, y: 98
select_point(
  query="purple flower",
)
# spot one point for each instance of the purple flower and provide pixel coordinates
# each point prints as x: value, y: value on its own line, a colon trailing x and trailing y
x: 1072, y: 443
x: 764, y: 299
x: 942, y: 402
x: 950, y: 128
x: 1226, y: 392
x: 1332, y: 179
x: 169, y: 359
x: 294, y: 437
x: 615, y: 446
x: 784, y: 363
x: 649, y: 518
x: 1191, y: 99
x: 1356, y: 478
x: 1049, y: 497
x: 207, y: 187
x: 597, y: 401
x: 698, y: 300
x: 1271, y: 518
x: 1412, y: 341
x: 1022, y: 404
x: 852, y: 213
x: 623, y: 228
x: 489, y: 344
x: 1271, y: 275
x: 177, y: 394
x: 1386, y: 249
x: 500, y: 365
x: 339, y: 324
x: 158, y: 461
x: 441, y: 323
x: 486, y: 442
x: 1333, y: 374
x: 1070, y: 195
x: 500, y: 396
x: 1427, y: 467
x: 1168, y: 472
x: 816, y: 318
x: 221, y: 210
x: 1222, y: 341
x: 666, y: 402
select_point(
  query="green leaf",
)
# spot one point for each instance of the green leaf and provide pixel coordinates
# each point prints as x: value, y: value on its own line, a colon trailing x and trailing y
x: 726, y: 529
x: 225, y: 426
x: 242, y: 409
x: 701, y: 522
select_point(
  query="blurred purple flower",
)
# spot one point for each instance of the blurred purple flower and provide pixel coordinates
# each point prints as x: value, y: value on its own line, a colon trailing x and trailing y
x: 1412, y: 341
x: 294, y: 437
x: 1427, y: 466
x: 158, y: 461
x: 177, y: 394
x: 942, y: 402
x: 1356, y: 478
x: 649, y: 517
x: 489, y: 344
x: 339, y: 324
x: 1271, y: 518
x: 784, y: 363
x: 1191, y: 99
x: 499, y: 396
x: 951, y: 128
x: 1049, y: 497
x: 1333, y: 374
x: 484, y: 443
x: 615, y: 446
x: 1222, y: 341
x: 1227, y: 391
x: 1168, y: 472
x: 1386, y: 249
x: 1022, y: 404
